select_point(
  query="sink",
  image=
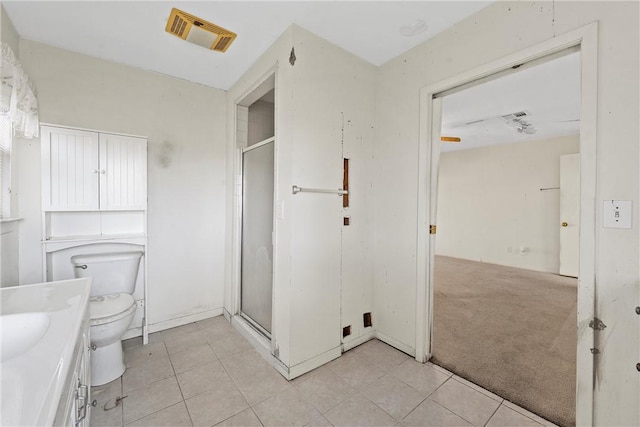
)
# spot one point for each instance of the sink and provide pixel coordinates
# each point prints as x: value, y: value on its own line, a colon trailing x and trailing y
x: 19, y: 332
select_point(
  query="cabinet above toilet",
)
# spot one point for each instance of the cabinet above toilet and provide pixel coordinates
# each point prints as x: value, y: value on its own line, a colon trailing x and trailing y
x: 89, y: 171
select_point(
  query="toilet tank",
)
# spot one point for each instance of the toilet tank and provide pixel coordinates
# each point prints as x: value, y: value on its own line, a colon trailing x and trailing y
x: 112, y: 272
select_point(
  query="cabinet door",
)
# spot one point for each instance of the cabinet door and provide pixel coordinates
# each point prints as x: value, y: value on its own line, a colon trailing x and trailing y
x: 69, y: 169
x: 123, y: 185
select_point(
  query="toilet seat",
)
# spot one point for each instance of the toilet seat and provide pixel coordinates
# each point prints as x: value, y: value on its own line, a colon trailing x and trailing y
x: 109, y: 308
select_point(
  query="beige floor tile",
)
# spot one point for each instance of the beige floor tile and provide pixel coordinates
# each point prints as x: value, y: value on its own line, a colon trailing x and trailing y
x: 179, y: 330
x: 440, y: 368
x: 147, y: 400
x: 256, y: 379
x: 528, y: 414
x: 202, y: 378
x: 156, y: 337
x: 466, y: 402
x: 131, y: 343
x: 246, y: 418
x: 302, y: 378
x: 287, y: 408
x: 228, y: 343
x: 422, y: 377
x: 506, y: 417
x: 319, y: 420
x: 359, y: 411
x: 393, y: 395
x: 214, y: 323
x: 429, y: 413
x: 244, y: 363
x: 142, y: 354
x: 383, y: 355
x: 192, y: 358
x: 478, y: 388
x: 173, y: 416
x: 181, y: 342
x: 101, y: 418
x: 146, y: 373
x: 325, y: 390
x: 108, y: 391
x: 356, y: 369
x: 262, y: 384
x: 216, y: 404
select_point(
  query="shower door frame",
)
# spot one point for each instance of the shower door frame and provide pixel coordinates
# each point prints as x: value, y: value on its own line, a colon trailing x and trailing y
x: 266, y: 345
x: 245, y: 316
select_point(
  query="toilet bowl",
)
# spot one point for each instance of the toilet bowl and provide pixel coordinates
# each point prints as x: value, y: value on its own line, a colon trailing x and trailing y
x: 111, y: 308
x: 107, y: 325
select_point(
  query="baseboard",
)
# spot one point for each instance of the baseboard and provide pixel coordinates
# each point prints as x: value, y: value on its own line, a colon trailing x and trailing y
x: 263, y: 346
x: 184, y: 320
x: 261, y: 343
x: 395, y: 343
x: 313, y: 363
x: 354, y: 342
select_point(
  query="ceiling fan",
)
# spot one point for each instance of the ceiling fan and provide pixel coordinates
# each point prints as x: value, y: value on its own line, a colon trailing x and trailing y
x: 518, y: 120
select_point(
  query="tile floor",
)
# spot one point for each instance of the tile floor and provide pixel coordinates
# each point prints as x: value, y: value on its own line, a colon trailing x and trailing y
x: 206, y: 374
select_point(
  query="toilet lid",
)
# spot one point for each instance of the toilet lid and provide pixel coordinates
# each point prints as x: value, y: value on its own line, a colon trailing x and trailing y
x: 108, y: 308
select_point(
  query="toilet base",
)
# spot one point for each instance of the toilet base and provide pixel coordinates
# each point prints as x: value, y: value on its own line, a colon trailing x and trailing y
x: 107, y: 363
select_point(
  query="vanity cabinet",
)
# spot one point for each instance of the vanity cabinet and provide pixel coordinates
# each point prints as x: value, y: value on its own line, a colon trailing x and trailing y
x: 75, y: 407
x: 92, y: 171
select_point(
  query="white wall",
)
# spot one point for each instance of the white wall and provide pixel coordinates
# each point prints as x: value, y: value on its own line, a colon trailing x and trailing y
x: 184, y: 123
x: 261, y: 121
x: 324, y: 107
x: 498, y: 30
x: 491, y: 209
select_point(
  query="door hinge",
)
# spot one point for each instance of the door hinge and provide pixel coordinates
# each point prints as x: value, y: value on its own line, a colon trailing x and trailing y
x: 432, y: 229
x: 597, y: 324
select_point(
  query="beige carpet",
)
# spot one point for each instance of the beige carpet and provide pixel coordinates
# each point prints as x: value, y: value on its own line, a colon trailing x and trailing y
x: 509, y: 330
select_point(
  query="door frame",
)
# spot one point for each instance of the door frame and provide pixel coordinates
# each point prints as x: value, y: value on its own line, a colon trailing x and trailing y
x: 586, y: 39
x: 243, y: 151
x: 264, y: 344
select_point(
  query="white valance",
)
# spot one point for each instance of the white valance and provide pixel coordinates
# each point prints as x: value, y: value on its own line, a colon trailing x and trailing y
x: 18, y: 97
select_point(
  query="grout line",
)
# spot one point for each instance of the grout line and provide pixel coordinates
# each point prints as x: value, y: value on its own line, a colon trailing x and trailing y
x: 492, y: 415
x: 427, y: 398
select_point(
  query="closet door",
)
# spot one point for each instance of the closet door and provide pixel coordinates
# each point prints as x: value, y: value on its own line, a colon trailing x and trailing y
x: 69, y: 169
x: 123, y: 166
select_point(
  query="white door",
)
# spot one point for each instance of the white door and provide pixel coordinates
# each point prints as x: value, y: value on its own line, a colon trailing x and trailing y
x: 122, y: 171
x: 69, y: 169
x: 569, y: 214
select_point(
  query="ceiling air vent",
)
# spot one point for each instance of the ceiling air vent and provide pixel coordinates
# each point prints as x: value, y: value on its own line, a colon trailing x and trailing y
x: 198, y: 31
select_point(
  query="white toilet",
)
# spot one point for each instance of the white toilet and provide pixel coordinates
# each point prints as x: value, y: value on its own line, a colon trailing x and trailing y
x: 111, y: 307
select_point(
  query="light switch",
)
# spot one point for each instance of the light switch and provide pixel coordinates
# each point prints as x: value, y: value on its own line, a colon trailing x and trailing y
x: 616, y: 213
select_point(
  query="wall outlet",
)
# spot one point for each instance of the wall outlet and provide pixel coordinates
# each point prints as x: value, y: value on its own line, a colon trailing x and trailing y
x: 616, y: 213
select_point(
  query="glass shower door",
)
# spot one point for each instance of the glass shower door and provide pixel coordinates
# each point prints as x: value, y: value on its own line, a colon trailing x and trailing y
x: 257, y: 227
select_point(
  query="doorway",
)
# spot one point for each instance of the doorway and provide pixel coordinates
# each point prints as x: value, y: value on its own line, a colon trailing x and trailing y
x: 502, y: 315
x: 431, y: 106
x: 256, y: 141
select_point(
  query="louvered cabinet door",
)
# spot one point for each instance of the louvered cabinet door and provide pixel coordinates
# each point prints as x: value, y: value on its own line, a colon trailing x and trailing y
x: 123, y: 172
x: 69, y: 169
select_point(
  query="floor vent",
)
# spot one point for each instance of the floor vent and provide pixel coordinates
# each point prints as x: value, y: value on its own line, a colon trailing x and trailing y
x: 366, y: 320
x: 346, y: 331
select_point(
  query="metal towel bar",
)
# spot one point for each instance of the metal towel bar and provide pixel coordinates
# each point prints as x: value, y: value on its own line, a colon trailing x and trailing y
x: 296, y: 190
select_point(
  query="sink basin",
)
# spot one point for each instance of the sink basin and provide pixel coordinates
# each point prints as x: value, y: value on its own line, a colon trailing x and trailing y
x: 19, y: 332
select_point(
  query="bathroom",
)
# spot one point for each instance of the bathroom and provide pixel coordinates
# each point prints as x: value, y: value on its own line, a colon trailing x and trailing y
x: 366, y: 267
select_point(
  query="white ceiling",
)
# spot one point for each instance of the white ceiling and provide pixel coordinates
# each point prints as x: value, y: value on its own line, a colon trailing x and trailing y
x: 549, y: 92
x: 132, y: 32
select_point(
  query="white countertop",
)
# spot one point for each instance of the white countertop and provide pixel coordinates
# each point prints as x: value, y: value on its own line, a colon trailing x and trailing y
x: 31, y: 383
